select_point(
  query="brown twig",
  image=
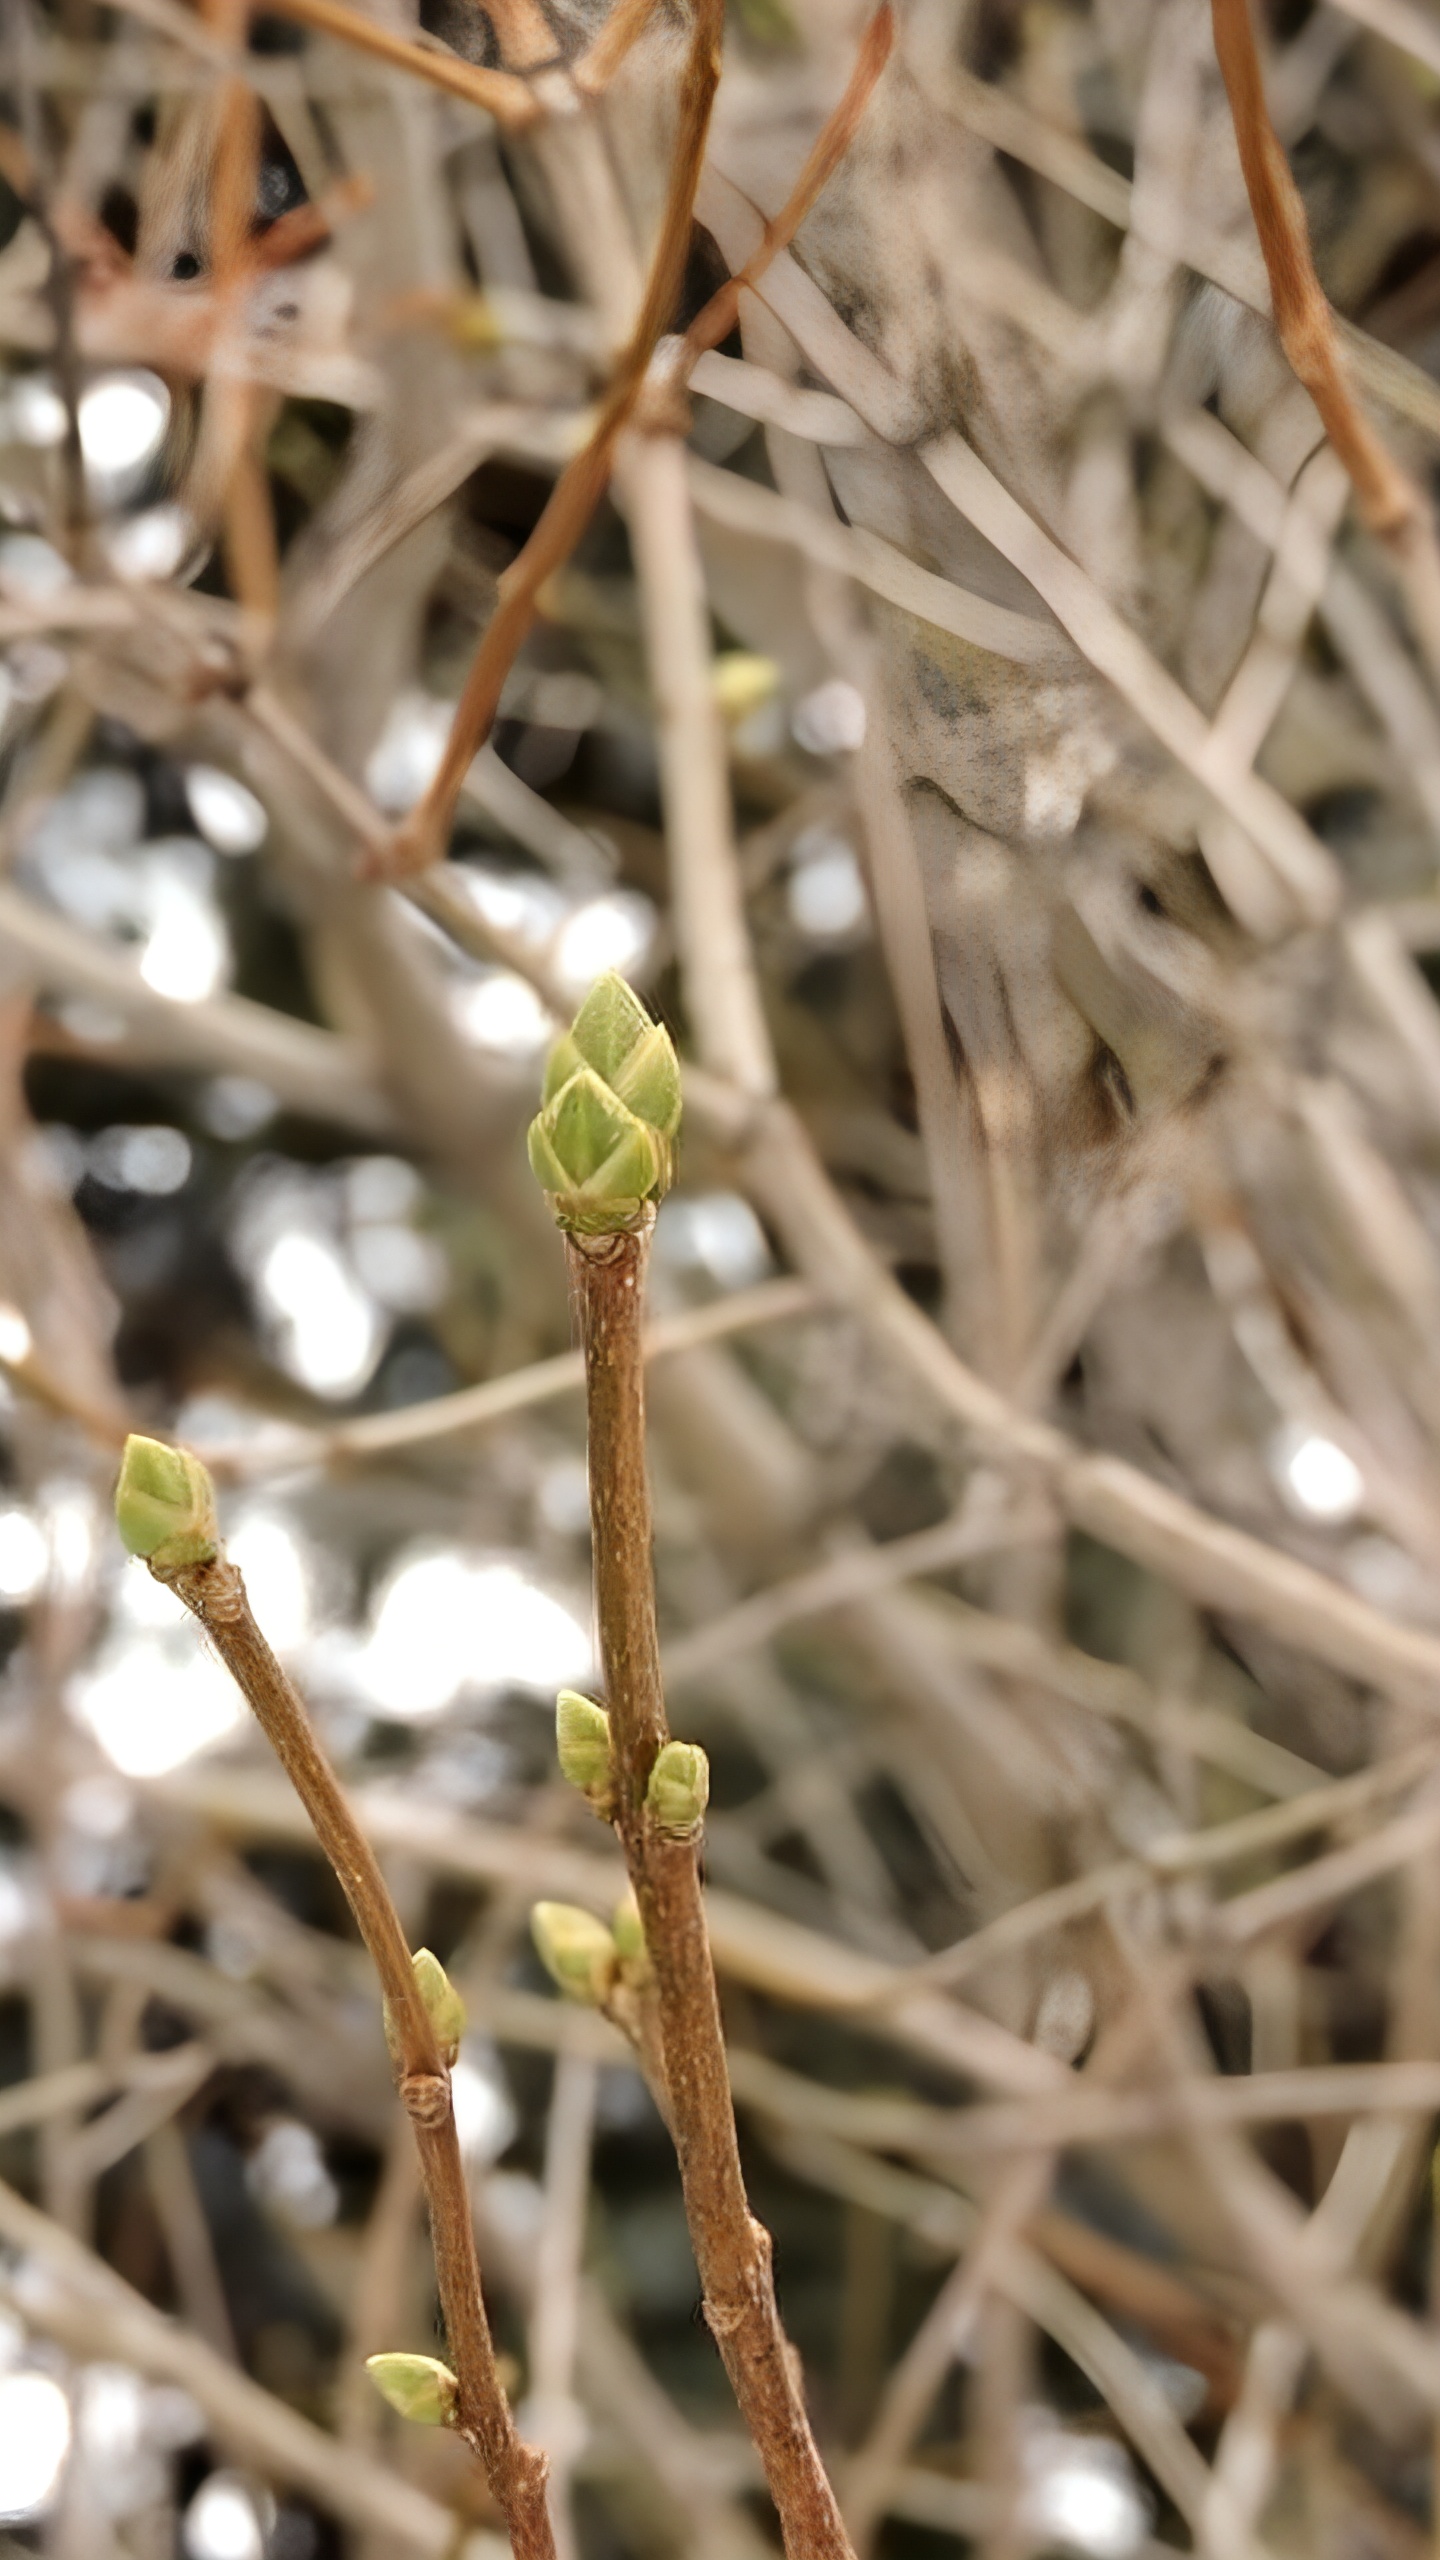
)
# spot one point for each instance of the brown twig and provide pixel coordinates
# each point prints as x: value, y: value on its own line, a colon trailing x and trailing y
x: 720, y: 313
x: 516, y: 2472
x: 732, y: 2250
x: 600, y: 61
x: 581, y: 485
x: 1390, y: 502
x: 498, y: 92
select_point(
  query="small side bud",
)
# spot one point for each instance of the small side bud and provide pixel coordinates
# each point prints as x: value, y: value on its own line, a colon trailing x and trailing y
x: 629, y: 1937
x: 443, y: 2005
x: 582, y: 1743
x: 679, y: 1789
x: 165, y: 1505
x: 576, y: 1950
x: 417, y: 2387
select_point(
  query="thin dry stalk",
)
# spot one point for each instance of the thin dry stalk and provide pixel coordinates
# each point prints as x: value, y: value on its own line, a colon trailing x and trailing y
x: 516, y: 2473
x: 1392, y: 506
x: 499, y: 93
x: 732, y: 2250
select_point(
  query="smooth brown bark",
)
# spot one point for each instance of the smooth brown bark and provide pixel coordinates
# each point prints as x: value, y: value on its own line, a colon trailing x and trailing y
x: 516, y: 2471
x: 732, y: 2250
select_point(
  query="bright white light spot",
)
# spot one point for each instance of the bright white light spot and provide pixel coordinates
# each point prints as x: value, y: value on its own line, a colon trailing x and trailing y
x: 234, y: 1107
x: 225, y: 2521
x: 406, y: 1272
x: 101, y: 1807
x: 271, y: 1560
x: 32, y: 570
x: 123, y: 419
x: 188, y: 950
x: 34, y: 2440
x: 517, y: 902
x: 18, y: 1911
x: 443, y: 1623
x: 826, y: 890
x: 831, y: 720
x: 15, y: 1337
x: 68, y: 1514
x: 502, y: 1013
x: 563, y: 1497
x: 150, y: 545
x: 715, y: 1232
x: 287, y: 2172
x: 227, y: 815
x: 613, y: 932
x: 1082, y: 2493
x: 405, y: 762
x: 382, y: 1189
x: 330, y: 1330
x: 37, y: 412
x: 154, y: 1160
x: 1318, y: 1478
x: 151, y: 1708
x: 485, y: 2117
x: 24, y: 1557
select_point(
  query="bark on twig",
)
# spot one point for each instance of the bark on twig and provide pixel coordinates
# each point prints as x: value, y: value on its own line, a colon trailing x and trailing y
x: 732, y: 2250
x: 216, y: 1594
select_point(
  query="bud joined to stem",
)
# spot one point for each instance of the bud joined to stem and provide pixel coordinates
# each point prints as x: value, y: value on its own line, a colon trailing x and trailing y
x: 679, y: 1789
x: 576, y: 1950
x: 165, y: 1505
x: 419, y: 2388
x: 602, y: 1145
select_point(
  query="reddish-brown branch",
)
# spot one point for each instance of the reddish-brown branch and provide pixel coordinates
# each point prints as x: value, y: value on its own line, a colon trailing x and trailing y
x: 1303, y: 317
x: 720, y: 313
x: 498, y: 92
x: 732, y: 2250
x: 516, y: 2471
x: 582, y: 484
x: 598, y: 64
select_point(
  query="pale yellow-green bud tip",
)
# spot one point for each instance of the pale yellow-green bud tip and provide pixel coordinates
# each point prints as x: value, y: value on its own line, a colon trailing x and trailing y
x: 576, y: 1950
x: 418, y: 2387
x: 679, y: 1789
x: 582, y: 1743
x: 602, y: 1144
x: 165, y: 1504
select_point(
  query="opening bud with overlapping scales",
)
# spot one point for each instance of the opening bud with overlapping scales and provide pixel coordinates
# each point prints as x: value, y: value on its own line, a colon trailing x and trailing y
x: 165, y: 1505
x: 582, y: 1744
x: 419, y: 2388
x: 602, y: 1145
x: 679, y: 1789
x: 576, y: 1950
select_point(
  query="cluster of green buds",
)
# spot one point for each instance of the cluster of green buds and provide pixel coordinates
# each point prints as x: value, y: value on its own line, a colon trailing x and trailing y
x: 602, y: 1146
x: 165, y: 1506
x: 419, y: 2388
x: 443, y: 2007
x: 587, y: 1960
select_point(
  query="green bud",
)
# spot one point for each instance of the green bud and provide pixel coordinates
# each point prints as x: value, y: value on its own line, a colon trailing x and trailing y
x: 443, y: 2005
x: 576, y: 1950
x: 679, y: 1789
x: 165, y: 1505
x: 582, y: 1741
x: 628, y: 1934
x: 418, y: 2387
x: 597, y: 1161
x: 602, y: 1144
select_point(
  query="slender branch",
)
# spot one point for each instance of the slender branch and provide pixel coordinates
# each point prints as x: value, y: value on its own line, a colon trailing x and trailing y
x: 732, y: 2250
x: 214, y: 1592
x: 501, y: 95
x: 1391, y: 504
x: 582, y: 484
